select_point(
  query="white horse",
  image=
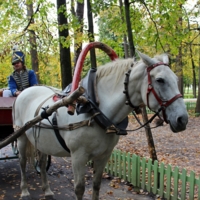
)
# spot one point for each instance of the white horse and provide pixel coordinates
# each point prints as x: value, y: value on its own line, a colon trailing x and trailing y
x: 150, y: 82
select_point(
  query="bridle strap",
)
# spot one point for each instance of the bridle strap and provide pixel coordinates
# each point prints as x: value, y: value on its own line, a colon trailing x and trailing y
x: 155, y: 65
x: 163, y: 104
x: 150, y: 89
x: 150, y: 86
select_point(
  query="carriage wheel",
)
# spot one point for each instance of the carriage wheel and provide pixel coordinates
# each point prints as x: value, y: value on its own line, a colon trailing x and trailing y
x: 37, y: 167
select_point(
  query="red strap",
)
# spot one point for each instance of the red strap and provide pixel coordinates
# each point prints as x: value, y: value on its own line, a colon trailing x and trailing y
x: 173, y: 99
x: 150, y: 88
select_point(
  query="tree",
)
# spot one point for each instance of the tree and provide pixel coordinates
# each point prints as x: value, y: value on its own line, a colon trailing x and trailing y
x: 197, y: 109
x: 125, y: 43
x: 154, y: 26
x: 65, y: 57
x: 91, y: 34
x: 129, y: 28
x: 78, y: 28
x: 32, y: 39
x: 152, y: 150
x: 179, y: 63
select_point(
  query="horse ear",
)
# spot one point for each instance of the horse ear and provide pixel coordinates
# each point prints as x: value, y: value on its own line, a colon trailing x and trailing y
x: 166, y: 58
x: 146, y: 59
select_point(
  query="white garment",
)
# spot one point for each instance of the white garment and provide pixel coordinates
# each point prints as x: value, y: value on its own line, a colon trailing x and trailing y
x: 7, y: 93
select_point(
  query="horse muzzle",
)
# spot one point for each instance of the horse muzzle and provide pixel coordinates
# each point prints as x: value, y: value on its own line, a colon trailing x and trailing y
x: 179, y: 124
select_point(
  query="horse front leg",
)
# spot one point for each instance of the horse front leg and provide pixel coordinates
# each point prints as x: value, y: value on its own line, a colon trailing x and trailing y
x: 79, y: 161
x: 45, y: 184
x: 22, y: 145
x: 99, y: 166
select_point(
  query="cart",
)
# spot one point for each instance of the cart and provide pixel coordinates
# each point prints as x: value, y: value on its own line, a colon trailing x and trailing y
x: 6, y: 129
x: 6, y: 125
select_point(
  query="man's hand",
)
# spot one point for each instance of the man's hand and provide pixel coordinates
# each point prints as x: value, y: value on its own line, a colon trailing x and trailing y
x: 17, y: 93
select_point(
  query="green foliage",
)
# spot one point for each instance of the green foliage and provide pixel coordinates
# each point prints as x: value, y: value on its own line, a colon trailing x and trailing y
x: 102, y: 58
x: 157, y: 27
x: 14, y: 29
x: 108, y: 21
x: 5, y: 70
x: 188, y: 96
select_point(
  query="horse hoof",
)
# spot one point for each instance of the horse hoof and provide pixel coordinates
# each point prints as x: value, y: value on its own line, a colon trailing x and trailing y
x: 50, y: 197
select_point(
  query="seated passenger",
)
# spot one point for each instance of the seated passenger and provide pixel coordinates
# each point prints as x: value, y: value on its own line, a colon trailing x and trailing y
x: 21, y: 78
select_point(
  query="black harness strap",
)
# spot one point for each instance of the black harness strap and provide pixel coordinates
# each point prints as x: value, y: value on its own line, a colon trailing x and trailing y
x: 57, y: 133
x: 128, y: 101
x: 92, y: 106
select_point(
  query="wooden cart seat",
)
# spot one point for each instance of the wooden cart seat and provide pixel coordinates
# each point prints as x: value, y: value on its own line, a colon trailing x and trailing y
x: 6, y: 104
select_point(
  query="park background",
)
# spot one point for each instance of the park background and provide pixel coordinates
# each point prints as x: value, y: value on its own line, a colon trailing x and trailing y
x: 43, y: 29
x: 53, y: 33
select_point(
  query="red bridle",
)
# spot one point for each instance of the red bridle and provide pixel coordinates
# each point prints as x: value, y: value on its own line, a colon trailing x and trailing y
x: 150, y: 89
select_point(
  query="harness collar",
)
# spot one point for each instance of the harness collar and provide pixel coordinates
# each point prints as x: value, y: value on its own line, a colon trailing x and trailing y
x: 128, y: 101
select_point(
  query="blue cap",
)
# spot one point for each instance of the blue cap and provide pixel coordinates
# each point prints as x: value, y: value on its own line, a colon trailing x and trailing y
x: 18, y: 56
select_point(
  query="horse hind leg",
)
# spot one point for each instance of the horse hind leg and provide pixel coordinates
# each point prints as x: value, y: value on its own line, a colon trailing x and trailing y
x: 22, y: 143
x: 45, y: 184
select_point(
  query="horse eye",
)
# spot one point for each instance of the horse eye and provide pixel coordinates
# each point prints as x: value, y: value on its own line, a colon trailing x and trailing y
x: 160, y: 80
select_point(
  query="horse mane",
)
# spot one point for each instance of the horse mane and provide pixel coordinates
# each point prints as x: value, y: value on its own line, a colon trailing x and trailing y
x: 117, y: 67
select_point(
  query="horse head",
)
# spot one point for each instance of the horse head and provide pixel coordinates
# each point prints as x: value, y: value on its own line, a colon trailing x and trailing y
x: 160, y: 91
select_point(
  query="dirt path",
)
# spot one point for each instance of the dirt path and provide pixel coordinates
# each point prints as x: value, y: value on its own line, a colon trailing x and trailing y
x: 178, y: 149
x: 61, y: 182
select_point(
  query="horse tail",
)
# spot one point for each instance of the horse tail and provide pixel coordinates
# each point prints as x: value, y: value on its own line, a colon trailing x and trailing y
x: 30, y: 153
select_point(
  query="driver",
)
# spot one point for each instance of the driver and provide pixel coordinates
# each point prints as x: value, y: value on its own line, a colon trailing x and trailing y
x: 21, y: 78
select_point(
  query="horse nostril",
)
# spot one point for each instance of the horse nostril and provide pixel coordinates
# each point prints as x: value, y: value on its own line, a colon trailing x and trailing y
x: 181, y: 121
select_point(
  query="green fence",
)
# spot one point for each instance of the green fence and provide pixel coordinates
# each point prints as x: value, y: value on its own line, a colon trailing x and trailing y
x: 190, y: 106
x: 155, y: 178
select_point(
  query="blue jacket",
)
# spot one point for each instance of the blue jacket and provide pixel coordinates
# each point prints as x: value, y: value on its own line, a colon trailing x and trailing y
x: 14, y: 87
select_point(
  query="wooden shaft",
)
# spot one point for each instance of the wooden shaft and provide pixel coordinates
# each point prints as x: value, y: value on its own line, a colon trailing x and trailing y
x: 63, y: 102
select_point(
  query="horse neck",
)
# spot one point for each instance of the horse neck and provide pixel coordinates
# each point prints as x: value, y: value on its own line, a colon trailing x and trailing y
x: 112, y: 99
x: 137, y: 85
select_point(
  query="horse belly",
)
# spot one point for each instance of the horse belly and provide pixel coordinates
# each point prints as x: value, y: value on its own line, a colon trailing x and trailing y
x: 91, y: 141
x: 46, y: 142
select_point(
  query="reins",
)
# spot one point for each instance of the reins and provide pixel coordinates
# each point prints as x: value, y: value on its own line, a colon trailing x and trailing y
x: 148, y: 122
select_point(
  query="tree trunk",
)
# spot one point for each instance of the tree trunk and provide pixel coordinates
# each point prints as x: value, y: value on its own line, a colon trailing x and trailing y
x: 65, y: 57
x: 197, y: 109
x: 129, y: 28
x: 91, y: 34
x: 193, y: 72
x: 150, y: 141
x: 125, y: 43
x: 179, y: 64
x: 151, y: 146
x: 179, y: 70
x: 77, y: 43
x: 32, y: 40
